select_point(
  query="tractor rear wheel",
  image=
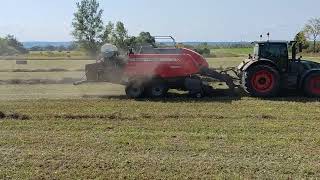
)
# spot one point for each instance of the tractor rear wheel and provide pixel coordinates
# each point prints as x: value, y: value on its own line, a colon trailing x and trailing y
x: 158, y: 89
x: 135, y: 90
x: 312, y: 85
x: 261, y: 81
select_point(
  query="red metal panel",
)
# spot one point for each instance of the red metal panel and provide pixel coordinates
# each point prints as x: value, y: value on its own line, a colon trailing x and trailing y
x: 201, y: 61
x: 165, y: 65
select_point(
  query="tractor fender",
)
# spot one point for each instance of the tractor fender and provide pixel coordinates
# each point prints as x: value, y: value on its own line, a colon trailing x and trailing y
x: 258, y: 62
x: 305, y: 75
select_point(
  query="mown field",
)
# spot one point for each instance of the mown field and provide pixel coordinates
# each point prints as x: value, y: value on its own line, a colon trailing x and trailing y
x: 54, y: 130
x: 217, y: 138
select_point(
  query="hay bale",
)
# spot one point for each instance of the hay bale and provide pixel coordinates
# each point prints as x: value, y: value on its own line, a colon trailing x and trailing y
x: 21, y: 62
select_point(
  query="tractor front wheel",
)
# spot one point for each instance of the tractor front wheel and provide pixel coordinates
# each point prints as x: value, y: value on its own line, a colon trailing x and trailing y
x: 312, y: 85
x: 261, y: 81
x: 135, y: 90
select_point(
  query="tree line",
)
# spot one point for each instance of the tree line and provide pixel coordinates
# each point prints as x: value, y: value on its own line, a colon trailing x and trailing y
x: 71, y: 47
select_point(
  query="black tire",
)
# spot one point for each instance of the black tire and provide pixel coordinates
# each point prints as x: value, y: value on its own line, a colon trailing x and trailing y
x: 158, y: 89
x: 135, y: 90
x: 208, y: 90
x: 261, y: 81
x: 197, y: 95
x: 311, y: 85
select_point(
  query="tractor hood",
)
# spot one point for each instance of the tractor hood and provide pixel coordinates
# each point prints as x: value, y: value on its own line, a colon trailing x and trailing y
x: 310, y: 64
x: 307, y: 64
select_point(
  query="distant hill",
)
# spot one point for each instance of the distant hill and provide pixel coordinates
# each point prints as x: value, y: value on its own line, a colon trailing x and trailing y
x: 45, y: 44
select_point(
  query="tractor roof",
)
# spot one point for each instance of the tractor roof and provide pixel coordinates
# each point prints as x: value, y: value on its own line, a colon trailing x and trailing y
x: 280, y: 41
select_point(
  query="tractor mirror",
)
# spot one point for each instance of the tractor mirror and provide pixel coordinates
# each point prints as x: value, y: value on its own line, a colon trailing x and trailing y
x: 300, y: 47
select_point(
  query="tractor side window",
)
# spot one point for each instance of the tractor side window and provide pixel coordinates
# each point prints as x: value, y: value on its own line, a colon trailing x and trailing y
x: 256, y: 51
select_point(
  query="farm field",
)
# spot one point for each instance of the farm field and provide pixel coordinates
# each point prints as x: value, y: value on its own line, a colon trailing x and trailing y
x: 54, y: 130
x: 174, y: 138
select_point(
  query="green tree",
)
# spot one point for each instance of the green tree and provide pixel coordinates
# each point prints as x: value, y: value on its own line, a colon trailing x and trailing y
x: 301, y: 38
x: 88, y: 25
x: 145, y: 38
x: 108, y: 32
x: 312, y: 29
x: 131, y: 42
x: 13, y: 42
x: 203, y: 49
x: 5, y: 49
x: 119, y: 36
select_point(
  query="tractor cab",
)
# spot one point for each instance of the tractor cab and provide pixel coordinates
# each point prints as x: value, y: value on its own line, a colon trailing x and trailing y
x: 276, y: 52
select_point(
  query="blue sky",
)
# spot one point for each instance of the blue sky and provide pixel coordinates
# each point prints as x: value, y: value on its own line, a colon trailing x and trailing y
x: 187, y: 20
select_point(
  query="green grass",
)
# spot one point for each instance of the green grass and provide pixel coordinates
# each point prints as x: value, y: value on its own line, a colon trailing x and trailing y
x: 176, y: 139
x: 231, y: 52
x: 225, y: 62
x: 58, y: 91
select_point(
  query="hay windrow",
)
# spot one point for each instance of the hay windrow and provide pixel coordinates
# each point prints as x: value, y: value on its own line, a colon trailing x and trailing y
x: 38, y: 81
x: 40, y: 70
x: 96, y: 116
x: 14, y: 116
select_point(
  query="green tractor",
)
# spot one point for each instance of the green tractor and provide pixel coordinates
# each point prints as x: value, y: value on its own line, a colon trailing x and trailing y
x: 270, y: 71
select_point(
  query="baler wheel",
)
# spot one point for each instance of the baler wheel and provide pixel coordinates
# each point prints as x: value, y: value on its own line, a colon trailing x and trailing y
x: 261, y: 81
x: 312, y: 85
x: 135, y: 90
x: 158, y: 89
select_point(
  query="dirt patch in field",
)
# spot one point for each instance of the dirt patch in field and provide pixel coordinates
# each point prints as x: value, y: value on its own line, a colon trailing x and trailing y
x: 204, y: 116
x: 14, y: 116
x: 38, y: 81
x: 193, y: 116
x: 41, y: 70
x: 262, y: 117
x: 119, y: 116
